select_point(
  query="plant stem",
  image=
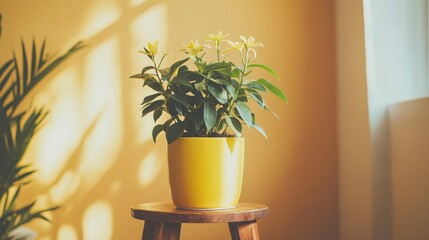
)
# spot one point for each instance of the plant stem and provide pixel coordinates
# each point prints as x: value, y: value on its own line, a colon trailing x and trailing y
x: 217, y: 51
x: 156, y: 69
x: 162, y: 59
x: 164, y: 92
x: 246, y: 61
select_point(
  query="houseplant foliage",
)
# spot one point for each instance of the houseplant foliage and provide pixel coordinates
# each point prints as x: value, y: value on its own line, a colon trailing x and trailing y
x: 210, y: 97
x: 18, y: 76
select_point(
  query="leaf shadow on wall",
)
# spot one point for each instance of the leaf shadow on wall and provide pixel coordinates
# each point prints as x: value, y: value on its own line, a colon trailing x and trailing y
x: 96, y: 177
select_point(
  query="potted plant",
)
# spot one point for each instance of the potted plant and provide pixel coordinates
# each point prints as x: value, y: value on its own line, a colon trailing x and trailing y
x: 206, y: 104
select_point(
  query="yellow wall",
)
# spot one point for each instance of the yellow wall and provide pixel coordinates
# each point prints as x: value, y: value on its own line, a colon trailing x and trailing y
x: 94, y: 154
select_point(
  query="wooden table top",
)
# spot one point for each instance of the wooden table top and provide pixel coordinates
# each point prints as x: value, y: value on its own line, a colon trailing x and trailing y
x: 167, y: 212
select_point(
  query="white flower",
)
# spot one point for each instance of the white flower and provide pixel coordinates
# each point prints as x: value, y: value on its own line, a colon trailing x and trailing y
x: 249, y: 43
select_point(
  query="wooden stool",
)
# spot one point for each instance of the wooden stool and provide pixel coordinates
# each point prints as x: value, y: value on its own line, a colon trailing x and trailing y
x: 163, y: 221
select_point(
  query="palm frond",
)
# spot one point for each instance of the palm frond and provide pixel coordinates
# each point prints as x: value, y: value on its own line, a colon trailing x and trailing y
x: 18, y: 76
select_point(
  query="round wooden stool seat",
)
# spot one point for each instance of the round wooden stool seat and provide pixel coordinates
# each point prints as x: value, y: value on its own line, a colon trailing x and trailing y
x: 163, y: 220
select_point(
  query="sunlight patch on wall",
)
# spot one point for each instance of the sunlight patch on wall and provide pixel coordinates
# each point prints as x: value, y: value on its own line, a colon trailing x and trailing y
x: 65, y: 187
x: 67, y: 232
x: 135, y: 3
x: 98, y: 221
x: 149, y: 26
x: 115, y: 187
x: 149, y: 168
x: 44, y: 238
x: 61, y: 132
x: 103, y: 13
x: 103, y: 110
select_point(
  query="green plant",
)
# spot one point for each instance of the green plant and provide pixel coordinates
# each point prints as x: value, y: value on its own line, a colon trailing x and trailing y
x: 17, y: 127
x: 212, y: 98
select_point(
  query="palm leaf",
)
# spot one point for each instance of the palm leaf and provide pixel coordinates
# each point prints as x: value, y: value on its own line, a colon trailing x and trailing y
x: 25, y: 77
x: 3, y: 69
x: 17, y: 78
x: 42, y: 58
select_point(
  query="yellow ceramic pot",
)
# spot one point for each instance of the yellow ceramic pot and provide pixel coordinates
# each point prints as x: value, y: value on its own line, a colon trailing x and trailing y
x: 206, y: 172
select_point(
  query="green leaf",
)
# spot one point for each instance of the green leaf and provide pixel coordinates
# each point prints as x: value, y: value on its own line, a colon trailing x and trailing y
x: 150, y: 98
x: 53, y: 64
x: 26, y: 209
x: 157, y: 114
x: 183, y: 90
x: 156, y: 131
x: 14, y: 198
x: 241, y: 96
x: 201, y: 86
x: 234, y: 124
x: 217, y: 66
x: 156, y: 86
x: 175, y: 65
x: 17, y: 82
x: 166, y: 124
x: 197, y: 118
x: 34, y: 67
x: 257, y: 98
x: 224, y: 79
x: 150, y: 81
x: 244, y: 112
x: 218, y: 92
x: 200, y: 66
x: 266, y: 68
x: 182, y: 80
x: 269, y: 109
x: 145, y: 69
x: 138, y: 75
x: 256, y: 86
x: 164, y: 73
x: 187, y: 79
x: 25, y: 75
x: 235, y: 73
x: 5, y: 69
x: 175, y: 131
x: 260, y: 129
x: 24, y: 175
x: 33, y: 60
x: 42, y: 59
x: 4, y: 95
x: 152, y: 106
x: 171, y: 107
x: 218, y: 79
x: 209, y: 115
x: 182, y: 69
x: 180, y: 109
x: 182, y: 99
x: 233, y: 89
x: 275, y: 90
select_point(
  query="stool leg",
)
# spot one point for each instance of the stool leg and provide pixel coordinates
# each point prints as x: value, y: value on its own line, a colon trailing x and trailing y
x: 169, y: 231
x: 244, y: 230
x: 150, y: 230
x: 161, y: 231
